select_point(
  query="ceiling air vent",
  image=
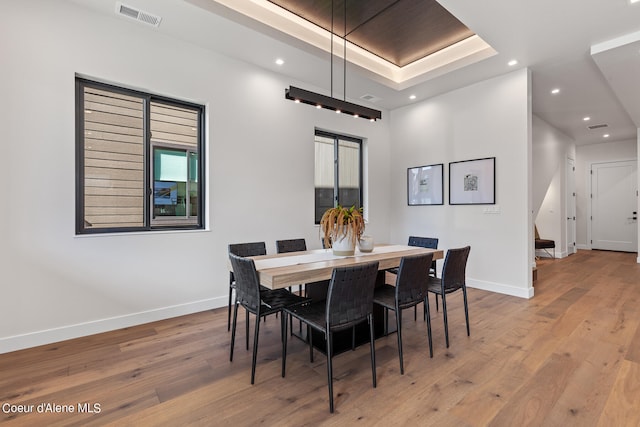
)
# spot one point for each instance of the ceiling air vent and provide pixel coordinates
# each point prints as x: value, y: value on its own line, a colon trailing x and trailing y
x: 594, y: 127
x: 139, y: 15
x: 370, y: 98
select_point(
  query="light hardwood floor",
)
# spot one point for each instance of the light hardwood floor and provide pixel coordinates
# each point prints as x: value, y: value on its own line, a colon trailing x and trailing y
x: 568, y: 357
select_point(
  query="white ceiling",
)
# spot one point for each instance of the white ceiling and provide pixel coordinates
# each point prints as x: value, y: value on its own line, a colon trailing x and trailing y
x: 554, y: 38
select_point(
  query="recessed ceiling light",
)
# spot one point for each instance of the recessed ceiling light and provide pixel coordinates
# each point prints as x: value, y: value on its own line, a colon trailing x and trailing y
x: 606, y: 135
x: 555, y: 91
x: 512, y: 62
x: 279, y: 61
x: 338, y: 111
x: 412, y: 97
x: 586, y: 119
x: 633, y: 1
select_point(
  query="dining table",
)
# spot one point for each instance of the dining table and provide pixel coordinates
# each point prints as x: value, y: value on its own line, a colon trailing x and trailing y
x: 293, y: 268
x: 314, y: 268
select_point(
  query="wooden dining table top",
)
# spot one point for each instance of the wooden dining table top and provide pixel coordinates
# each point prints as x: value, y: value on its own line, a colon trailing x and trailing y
x: 294, y: 268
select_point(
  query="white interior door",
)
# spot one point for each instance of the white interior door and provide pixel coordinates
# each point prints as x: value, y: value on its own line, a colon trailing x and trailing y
x: 571, y: 207
x: 614, y: 224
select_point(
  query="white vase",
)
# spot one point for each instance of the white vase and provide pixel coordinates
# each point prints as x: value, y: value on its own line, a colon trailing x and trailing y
x: 344, y: 245
x: 366, y: 244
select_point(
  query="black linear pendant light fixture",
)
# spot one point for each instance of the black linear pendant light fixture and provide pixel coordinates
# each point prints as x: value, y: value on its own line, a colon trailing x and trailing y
x: 329, y: 102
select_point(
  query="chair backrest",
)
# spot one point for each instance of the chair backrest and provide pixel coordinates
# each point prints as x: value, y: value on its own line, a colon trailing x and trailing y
x: 248, y: 249
x: 453, y: 271
x: 350, y: 295
x: 247, y: 282
x: 413, y: 278
x: 424, y: 242
x: 291, y: 245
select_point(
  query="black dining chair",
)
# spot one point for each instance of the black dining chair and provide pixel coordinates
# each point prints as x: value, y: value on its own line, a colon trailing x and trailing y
x: 453, y: 279
x: 422, y: 242
x: 243, y: 250
x: 291, y: 245
x: 429, y: 243
x: 410, y: 290
x: 259, y: 302
x: 349, y: 302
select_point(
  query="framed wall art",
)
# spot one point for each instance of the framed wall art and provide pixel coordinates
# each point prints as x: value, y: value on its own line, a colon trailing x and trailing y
x: 473, y: 182
x: 425, y: 185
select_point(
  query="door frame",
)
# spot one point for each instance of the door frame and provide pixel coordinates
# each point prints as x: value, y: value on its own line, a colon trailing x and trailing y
x: 589, y: 241
x: 570, y: 199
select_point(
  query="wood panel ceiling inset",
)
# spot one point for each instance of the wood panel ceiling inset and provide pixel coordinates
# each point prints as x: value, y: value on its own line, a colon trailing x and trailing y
x: 399, y: 31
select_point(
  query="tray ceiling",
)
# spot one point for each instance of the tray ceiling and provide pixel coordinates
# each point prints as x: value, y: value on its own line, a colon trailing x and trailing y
x: 399, y: 31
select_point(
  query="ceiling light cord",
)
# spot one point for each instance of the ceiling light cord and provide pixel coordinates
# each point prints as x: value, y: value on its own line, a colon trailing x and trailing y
x: 344, y: 77
x: 322, y: 101
x: 331, y: 74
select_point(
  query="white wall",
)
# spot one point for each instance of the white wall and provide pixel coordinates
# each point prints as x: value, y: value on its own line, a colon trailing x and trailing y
x: 487, y: 119
x: 551, y: 148
x: 56, y: 285
x: 585, y: 156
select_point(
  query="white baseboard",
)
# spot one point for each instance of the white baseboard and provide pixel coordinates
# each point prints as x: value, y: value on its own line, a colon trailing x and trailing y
x: 34, y: 339
x: 501, y: 288
x: 583, y: 247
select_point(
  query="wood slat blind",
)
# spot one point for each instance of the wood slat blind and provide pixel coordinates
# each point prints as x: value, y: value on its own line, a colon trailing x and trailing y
x: 349, y: 155
x: 174, y: 124
x: 113, y: 159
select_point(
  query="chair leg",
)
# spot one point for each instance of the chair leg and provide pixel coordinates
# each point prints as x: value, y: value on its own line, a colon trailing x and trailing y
x: 246, y: 322
x: 372, y: 340
x: 256, y: 334
x: 399, y: 334
x: 233, y: 331
x: 330, y: 370
x: 310, y: 336
x: 444, y: 314
x: 386, y: 321
x: 229, y: 311
x: 466, y: 309
x: 283, y: 332
x: 290, y: 323
x: 427, y: 315
x: 415, y: 313
x: 353, y: 338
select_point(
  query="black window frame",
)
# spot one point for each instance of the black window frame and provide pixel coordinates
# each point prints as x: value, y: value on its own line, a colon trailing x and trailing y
x: 148, y: 98
x: 336, y: 186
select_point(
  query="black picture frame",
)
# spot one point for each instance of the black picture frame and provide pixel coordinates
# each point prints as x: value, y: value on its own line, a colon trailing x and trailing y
x: 425, y: 185
x: 473, y: 182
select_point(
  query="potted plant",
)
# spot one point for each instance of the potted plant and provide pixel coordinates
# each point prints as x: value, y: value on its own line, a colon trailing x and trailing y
x: 341, y: 228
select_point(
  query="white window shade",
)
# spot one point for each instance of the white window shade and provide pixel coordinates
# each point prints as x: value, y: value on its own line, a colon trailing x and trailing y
x: 170, y: 165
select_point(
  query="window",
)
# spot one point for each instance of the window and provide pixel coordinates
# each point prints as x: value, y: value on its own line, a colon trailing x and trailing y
x: 338, y: 172
x: 138, y: 161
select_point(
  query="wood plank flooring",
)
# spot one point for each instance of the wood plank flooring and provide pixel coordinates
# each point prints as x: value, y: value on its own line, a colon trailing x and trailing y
x: 568, y: 357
